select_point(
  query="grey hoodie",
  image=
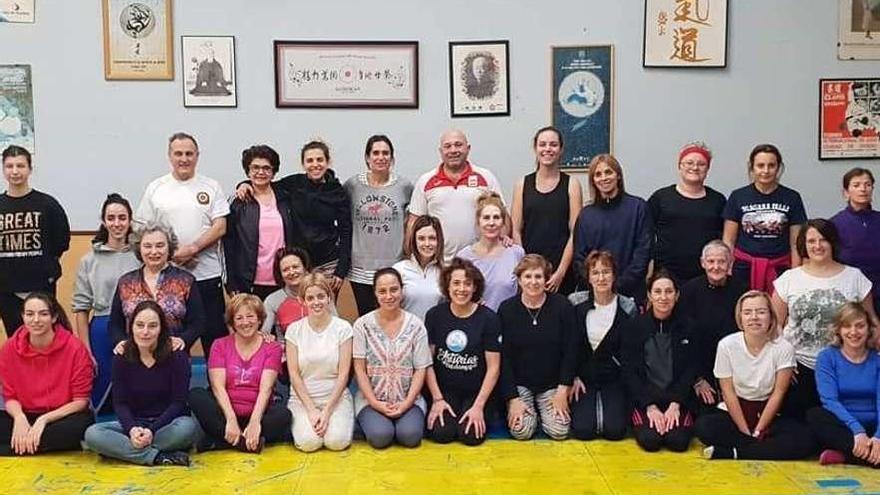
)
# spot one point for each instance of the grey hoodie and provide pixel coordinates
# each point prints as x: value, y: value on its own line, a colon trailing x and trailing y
x: 99, y: 270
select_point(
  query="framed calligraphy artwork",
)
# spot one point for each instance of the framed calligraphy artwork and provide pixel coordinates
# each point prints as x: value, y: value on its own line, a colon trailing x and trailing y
x: 685, y: 33
x: 858, y: 30
x: 849, y: 118
x: 138, y: 40
x: 479, y: 78
x: 582, y: 96
x: 208, y: 65
x: 347, y: 74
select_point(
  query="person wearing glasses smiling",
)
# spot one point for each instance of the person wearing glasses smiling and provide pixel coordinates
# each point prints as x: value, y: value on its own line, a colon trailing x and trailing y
x: 258, y: 229
x: 686, y: 215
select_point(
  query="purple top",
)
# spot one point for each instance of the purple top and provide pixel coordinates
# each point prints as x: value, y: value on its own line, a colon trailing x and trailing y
x: 498, y: 272
x: 150, y: 397
x: 859, y: 233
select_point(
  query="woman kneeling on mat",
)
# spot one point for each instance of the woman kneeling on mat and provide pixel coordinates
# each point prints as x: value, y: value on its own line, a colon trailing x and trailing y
x: 150, y: 384
x: 391, y: 356
x: 47, y: 378
x: 463, y: 335
x: 847, y: 376
x: 659, y: 369
x: 754, y: 370
x: 238, y: 410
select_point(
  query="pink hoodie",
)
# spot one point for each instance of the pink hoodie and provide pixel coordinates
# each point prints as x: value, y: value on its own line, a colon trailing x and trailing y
x: 45, y: 379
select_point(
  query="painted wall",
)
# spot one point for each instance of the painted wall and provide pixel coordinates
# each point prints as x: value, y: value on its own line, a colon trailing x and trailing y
x: 95, y: 136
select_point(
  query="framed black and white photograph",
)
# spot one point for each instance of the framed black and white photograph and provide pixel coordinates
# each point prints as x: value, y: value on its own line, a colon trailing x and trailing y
x: 346, y: 74
x: 685, y: 33
x: 17, y: 11
x: 858, y: 30
x: 479, y: 78
x: 208, y: 64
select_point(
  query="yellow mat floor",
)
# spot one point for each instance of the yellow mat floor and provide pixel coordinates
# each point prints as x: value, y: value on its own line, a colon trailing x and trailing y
x: 499, y: 466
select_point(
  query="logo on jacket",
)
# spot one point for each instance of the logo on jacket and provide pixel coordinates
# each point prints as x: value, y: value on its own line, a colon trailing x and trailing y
x: 203, y: 198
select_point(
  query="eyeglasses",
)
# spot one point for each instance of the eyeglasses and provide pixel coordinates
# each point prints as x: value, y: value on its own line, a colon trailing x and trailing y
x: 694, y: 164
x: 261, y: 168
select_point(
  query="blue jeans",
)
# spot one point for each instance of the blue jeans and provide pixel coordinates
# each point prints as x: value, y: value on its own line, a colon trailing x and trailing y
x: 102, y: 349
x: 109, y: 440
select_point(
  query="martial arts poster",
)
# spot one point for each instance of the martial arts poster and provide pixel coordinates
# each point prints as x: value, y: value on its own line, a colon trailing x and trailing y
x: 20, y: 11
x: 137, y: 40
x: 849, y: 118
x: 582, y: 95
x: 16, y: 107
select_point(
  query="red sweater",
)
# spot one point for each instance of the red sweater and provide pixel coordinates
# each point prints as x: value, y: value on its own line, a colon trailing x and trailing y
x: 45, y: 379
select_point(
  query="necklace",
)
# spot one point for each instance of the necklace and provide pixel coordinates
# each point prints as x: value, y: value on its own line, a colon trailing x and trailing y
x: 534, y: 315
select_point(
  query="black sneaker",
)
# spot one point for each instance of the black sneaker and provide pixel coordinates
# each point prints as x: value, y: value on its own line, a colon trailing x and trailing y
x: 205, y: 444
x: 175, y: 458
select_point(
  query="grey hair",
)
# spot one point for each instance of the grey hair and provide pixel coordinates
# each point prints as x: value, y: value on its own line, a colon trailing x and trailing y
x: 148, y: 228
x: 715, y: 244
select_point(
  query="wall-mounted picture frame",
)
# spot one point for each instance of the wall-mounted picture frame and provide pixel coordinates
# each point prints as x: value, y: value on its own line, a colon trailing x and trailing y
x: 16, y: 107
x: 582, y: 100
x: 208, y: 66
x: 858, y: 30
x: 685, y: 33
x: 346, y: 74
x: 138, y: 40
x: 479, y: 78
x: 849, y: 119
x: 17, y: 11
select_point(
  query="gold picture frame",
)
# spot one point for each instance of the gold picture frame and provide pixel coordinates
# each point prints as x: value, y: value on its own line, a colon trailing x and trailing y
x: 138, y: 40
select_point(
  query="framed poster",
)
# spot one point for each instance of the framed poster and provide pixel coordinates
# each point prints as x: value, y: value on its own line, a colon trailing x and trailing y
x: 858, y: 26
x: 582, y: 96
x: 347, y: 74
x: 208, y: 64
x: 849, y: 118
x: 138, y: 40
x: 685, y: 33
x: 16, y: 107
x: 17, y: 11
x: 479, y: 78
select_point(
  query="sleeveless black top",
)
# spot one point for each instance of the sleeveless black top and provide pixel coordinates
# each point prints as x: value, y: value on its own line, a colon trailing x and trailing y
x: 545, y: 219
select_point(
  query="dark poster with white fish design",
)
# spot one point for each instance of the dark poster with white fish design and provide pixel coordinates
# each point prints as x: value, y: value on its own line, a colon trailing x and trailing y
x: 583, y: 101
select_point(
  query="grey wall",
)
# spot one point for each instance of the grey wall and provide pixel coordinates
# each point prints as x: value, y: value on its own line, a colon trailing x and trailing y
x: 95, y: 136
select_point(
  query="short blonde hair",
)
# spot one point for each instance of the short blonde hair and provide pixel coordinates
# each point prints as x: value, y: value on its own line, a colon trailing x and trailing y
x: 753, y: 294
x: 848, y: 314
x: 249, y: 301
x: 532, y: 261
x: 315, y: 279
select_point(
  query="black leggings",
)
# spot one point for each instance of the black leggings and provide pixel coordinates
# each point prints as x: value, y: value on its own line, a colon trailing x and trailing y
x: 452, y: 430
x: 801, y: 395
x: 831, y: 433
x: 600, y: 413
x: 275, y: 423
x: 214, y: 301
x: 64, y: 434
x: 786, y: 439
x: 677, y: 440
x: 364, y: 297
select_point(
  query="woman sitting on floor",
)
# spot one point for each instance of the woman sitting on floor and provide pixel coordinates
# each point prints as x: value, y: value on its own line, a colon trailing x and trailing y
x: 319, y: 360
x: 659, y: 369
x: 47, y: 378
x: 598, y: 396
x: 238, y: 411
x: 150, y: 384
x: 391, y: 358
x: 848, y: 379
x: 463, y: 335
x: 754, y: 370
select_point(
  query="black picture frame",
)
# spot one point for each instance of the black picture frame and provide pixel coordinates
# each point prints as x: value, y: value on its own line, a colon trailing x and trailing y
x: 483, y: 94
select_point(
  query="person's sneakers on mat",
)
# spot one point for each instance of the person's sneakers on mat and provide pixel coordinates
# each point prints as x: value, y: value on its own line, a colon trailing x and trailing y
x: 175, y: 458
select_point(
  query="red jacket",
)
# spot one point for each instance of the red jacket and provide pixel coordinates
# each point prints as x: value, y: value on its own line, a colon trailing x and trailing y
x: 45, y: 379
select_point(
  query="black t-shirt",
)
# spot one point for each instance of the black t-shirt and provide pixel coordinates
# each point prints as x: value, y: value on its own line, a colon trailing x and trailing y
x: 460, y: 345
x: 765, y: 219
x: 682, y: 226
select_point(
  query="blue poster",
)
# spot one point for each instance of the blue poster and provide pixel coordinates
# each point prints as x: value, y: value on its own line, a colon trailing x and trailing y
x: 582, y: 101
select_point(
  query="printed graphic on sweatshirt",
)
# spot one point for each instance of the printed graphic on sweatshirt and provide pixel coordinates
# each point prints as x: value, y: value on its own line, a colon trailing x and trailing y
x: 20, y: 234
x: 376, y: 213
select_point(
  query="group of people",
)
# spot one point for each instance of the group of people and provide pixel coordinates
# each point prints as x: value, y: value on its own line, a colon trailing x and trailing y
x: 736, y: 320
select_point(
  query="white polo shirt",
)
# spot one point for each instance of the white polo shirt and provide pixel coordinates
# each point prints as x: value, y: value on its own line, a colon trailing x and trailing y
x: 453, y: 203
x: 189, y: 207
